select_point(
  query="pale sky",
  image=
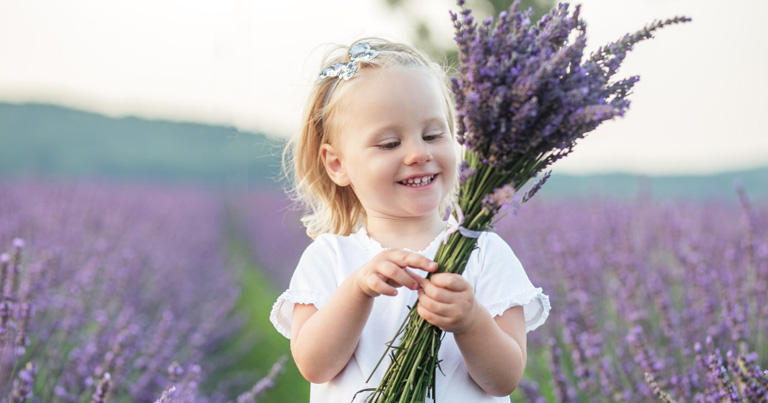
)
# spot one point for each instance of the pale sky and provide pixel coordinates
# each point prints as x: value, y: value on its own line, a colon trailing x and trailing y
x: 249, y: 63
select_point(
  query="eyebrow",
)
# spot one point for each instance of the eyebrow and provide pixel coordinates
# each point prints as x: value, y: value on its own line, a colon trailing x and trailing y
x: 394, y: 127
x: 442, y: 122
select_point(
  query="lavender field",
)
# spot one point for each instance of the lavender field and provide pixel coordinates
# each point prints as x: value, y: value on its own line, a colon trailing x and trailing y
x: 140, y: 293
x: 121, y: 293
x: 651, y: 301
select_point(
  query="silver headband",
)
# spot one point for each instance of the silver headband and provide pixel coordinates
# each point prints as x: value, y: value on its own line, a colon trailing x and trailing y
x: 359, y: 52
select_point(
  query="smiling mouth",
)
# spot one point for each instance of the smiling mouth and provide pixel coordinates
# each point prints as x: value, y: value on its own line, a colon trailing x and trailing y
x: 418, y: 181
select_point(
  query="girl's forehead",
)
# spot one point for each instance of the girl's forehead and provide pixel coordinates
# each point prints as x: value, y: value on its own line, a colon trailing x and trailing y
x: 394, y: 99
x: 373, y: 82
x: 372, y: 87
x: 391, y: 72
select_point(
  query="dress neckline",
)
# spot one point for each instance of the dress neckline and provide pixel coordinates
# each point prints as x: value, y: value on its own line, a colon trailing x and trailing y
x: 361, y: 235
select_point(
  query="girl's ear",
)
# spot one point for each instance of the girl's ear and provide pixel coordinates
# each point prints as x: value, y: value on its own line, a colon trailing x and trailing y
x: 332, y: 162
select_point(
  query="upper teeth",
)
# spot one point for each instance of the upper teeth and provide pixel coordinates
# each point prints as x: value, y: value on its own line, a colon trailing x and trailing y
x: 419, y: 181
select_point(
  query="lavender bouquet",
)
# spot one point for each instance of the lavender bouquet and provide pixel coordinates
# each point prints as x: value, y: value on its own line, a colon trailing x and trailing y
x: 524, y: 95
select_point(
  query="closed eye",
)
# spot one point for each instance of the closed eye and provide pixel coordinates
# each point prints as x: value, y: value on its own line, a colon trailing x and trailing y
x: 432, y: 136
x: 389, y: 146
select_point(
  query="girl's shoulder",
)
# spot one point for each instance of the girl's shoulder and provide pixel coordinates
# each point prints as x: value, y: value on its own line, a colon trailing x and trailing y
x: 493, y: 258
x: 330, y: 238
x: 491, y: 242
x: 335, y: 242
x: 491, y: 237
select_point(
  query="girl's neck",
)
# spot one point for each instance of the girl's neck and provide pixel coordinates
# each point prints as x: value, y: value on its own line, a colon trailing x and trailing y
x: 405, y: 234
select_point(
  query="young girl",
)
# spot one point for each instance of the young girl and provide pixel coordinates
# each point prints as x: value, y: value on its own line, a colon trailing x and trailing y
x: 376, y: 163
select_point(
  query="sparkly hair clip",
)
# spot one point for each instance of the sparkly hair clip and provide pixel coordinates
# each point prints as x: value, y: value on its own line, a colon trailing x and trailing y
x: 359, y: 52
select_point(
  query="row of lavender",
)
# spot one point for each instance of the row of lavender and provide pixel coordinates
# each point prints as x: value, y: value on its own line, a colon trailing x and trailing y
x: 664, y: 301
x: 651, y: 300
x: 112, y: 293
x: 273, y: 227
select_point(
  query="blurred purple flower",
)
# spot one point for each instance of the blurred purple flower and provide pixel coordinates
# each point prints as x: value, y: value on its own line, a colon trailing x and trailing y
x: 263, y: 384
x: 650, y: 288
x: 109, y: 292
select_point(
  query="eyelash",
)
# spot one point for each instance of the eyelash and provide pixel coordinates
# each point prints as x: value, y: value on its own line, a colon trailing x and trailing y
x: 390, y: 145
x: 427, y: 137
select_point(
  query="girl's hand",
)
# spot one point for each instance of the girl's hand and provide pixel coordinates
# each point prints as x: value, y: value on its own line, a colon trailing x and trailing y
x: 388, y: 271
x: 447, y: 301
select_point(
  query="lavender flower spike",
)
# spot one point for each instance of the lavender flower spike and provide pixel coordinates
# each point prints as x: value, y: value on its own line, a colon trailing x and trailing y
x: 22, y: 385
x: 166, y: 396
x: 264, y: 384
x: 100, y: 395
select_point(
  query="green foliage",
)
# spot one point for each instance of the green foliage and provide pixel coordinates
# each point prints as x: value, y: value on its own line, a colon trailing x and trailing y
x: 540, y: 7
x: 440, y: 48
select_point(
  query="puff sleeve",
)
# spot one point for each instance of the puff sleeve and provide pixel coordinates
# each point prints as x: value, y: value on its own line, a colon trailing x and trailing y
x: 313, y: 282
x: 501, y: 282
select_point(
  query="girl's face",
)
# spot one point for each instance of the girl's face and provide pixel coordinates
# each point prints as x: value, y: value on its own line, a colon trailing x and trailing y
x: 392, y: 143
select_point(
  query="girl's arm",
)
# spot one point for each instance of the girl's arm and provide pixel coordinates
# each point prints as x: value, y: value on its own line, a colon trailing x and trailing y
x: 494, y: 349
x: 323, y: 340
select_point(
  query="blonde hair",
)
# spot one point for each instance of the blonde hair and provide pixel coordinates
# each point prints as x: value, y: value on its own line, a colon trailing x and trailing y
x: 331, y: 208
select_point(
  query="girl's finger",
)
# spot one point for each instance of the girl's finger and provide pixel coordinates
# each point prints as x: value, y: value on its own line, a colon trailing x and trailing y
x: 436, y: 307
x: 416, y: 278
x: 411, y: 259
x: 397, y: 275
x: 433, y: 318
x: 381, y: 286
x: 450, y: 281
x: 434, y: 291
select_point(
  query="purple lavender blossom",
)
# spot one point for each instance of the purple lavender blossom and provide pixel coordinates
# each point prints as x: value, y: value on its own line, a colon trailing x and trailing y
x: 525, y: 92
x: 100, y: 395
x: 536, y: 187
x: 501, y: 198
x: 5, y: 260
x: 465, y: 172
x: 111, y: 283
x: 166, y: 397
x: 22, y: 385
x: 648, y: 288
x: 663, y: 396
x: 264, y: 384
x: 175, y: 371
x: 274, y: 231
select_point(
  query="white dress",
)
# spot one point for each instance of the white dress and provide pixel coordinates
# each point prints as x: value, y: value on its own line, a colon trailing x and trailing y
x: 499, y: 283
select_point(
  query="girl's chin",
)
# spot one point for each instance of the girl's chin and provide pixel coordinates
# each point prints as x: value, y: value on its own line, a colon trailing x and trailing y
x: 423, y: 209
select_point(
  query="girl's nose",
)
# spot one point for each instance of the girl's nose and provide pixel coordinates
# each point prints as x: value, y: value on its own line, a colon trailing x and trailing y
x: 418, y: 154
